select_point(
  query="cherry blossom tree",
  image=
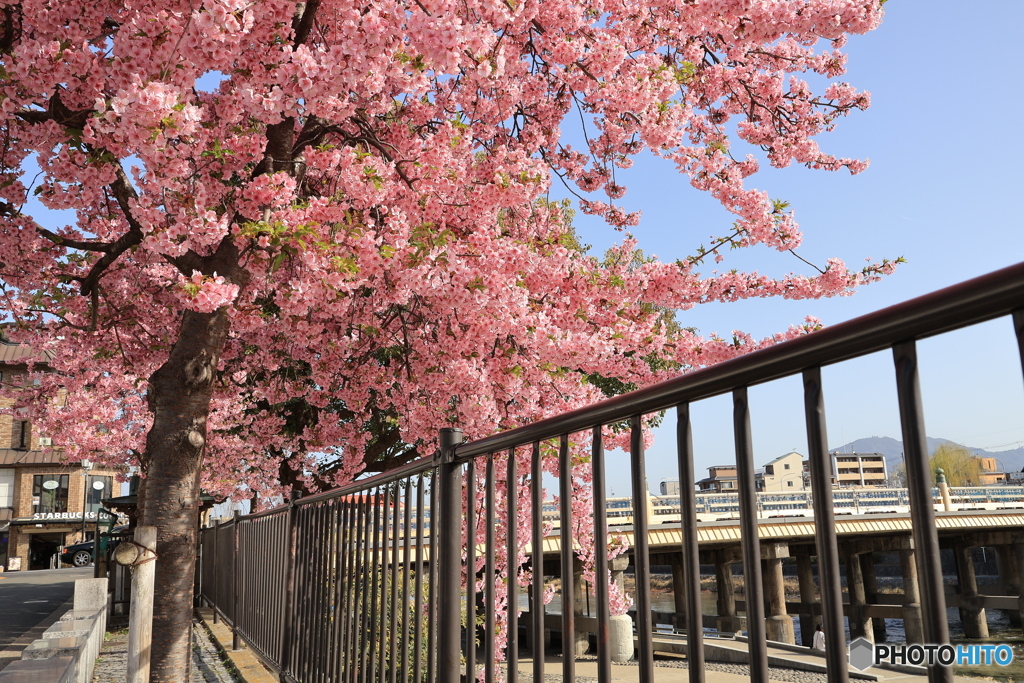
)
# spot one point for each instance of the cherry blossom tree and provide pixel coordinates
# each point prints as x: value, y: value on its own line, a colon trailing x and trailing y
x: 315, y: 232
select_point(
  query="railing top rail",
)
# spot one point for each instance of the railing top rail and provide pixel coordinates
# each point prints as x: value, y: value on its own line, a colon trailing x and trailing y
x: 968, y: 303
x: 410, y: 469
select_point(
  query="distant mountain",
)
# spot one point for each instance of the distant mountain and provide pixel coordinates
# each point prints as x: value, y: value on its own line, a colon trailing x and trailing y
x: 892, y: 449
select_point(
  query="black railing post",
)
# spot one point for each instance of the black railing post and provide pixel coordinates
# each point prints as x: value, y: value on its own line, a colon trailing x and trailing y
x: 568, y: 576
x: 537, y: 563
x: 641, y: 554
x: 512, y: 568
x: 235, y: 567
x: 289, y: 586
x: 922, y: 510
x: 749, y: 541
x: 601, y: 588
x: 216, y: 574
x: 690, y: 548
x: 449, y: 534
x: 820, y: 464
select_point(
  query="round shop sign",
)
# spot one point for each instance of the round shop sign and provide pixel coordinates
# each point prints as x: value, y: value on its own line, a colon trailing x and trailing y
x: 98, y: 485
x: 51, y: 485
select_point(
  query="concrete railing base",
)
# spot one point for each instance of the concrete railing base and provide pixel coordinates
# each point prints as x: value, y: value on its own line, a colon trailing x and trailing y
x: 68, y: 650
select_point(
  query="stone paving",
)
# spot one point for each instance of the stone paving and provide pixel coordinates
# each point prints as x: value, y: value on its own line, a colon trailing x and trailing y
x: 207, y: 665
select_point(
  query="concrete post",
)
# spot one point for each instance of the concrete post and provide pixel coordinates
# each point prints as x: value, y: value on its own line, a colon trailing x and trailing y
x: 972, y: 614
x: 867, y: 568
x: 860, y: 623
x: 913, y: 627
x: 805, y: 576
x: 140, y: 619
x: 617, y: 567
x: 947, y: 501
x: 727, y: 620
x: 581, y: 638
x: 778, y: 625
x: 620, y: 638
x: 1009, y: 577
x: 678, y: 595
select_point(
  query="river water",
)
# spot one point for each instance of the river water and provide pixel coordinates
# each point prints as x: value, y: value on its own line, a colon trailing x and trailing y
x: 998, y: 623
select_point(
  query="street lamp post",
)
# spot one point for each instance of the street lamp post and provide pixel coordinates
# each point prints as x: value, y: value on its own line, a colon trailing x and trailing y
x: 86, y: 468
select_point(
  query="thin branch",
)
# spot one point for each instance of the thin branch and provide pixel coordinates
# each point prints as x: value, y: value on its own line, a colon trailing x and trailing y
x: 73, y: 243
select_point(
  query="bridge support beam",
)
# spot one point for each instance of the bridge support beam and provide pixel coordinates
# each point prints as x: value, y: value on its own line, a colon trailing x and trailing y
x: 860, y: 622
x: 1009, y: 577
x: 728, y: 621
x: 972, y: 614
x: 805, y: 575
x: 913, y: 627
x: 867, y: 568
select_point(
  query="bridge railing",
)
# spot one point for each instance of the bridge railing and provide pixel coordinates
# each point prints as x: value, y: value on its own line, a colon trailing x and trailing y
x: 345, y: 585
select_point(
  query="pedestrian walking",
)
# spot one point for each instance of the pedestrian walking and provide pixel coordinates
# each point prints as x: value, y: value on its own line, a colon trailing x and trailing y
x: 819, y: 639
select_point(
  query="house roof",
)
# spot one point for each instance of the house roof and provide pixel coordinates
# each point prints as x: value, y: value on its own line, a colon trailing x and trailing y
x: 13, y: 353
x: 783, y: 457
x: 16, y: 456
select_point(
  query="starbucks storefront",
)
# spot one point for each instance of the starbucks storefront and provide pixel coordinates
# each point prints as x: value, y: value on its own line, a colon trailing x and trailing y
x: 40, y: 538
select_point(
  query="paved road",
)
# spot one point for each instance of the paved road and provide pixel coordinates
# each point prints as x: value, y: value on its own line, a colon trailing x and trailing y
x: 27, y: 598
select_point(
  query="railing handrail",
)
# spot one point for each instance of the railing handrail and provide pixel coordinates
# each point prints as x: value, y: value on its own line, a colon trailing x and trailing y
x: 961, y: 305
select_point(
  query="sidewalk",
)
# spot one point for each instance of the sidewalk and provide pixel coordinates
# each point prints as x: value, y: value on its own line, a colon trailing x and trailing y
x: 207, y: 664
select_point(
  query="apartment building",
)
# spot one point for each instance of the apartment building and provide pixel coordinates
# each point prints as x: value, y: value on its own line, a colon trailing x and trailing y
x: 860, y: 469
x: 45, y: 503
x: 720, y: 478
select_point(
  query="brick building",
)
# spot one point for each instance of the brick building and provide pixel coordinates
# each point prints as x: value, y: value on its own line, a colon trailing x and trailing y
x: 45, y: 503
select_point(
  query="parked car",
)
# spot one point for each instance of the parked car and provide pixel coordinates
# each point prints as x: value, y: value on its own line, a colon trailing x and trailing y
x: 80, y: 554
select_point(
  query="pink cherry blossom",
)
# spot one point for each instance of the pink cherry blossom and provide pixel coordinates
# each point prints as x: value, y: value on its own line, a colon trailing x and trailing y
x: 345, y: 208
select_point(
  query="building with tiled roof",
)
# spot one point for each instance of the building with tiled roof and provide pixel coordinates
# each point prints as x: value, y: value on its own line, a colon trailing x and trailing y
x: 45, y: 502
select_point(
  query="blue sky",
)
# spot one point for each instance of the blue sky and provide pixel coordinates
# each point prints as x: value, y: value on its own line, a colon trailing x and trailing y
x: 943, y: 190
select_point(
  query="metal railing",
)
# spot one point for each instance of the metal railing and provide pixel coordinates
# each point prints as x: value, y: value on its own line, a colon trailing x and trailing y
x: 344, y: 586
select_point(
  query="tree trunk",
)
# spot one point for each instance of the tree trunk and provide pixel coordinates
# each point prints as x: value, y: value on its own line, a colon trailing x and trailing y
x: 179, y: 398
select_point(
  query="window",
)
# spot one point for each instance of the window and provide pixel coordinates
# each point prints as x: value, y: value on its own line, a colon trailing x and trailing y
x: 789, y: 483
x: 24, y: 434
x: 785, y: 466
x: 98, y: 489
x: 7, y: 488
x: 50, y: 493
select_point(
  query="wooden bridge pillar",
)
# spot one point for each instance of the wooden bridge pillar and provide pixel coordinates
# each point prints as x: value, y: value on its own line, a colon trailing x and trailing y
x: 1009, y: 576
x: 860, y: 622
x: 727, y: 620
x: 913, y: 627
x: 972, y: 614
x: 805, y: 576
x: 867, y: 568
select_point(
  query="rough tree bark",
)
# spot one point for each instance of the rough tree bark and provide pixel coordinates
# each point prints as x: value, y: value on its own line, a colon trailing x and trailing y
x: 179, y: 398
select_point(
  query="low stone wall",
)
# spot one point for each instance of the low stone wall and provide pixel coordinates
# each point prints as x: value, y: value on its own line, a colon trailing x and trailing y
x: 68, y: 650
